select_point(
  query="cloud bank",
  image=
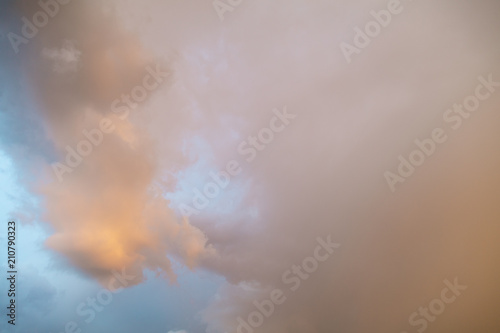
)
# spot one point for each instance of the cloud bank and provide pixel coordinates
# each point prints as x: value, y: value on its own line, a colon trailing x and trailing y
x: 323, y: 175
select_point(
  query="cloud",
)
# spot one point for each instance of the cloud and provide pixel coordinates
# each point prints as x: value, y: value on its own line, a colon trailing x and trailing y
x: 322, y: 175
x: 104, y: 215
x: 65, y: 59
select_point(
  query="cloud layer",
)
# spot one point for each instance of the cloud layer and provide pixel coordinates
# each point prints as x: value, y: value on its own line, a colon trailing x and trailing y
x: 323, y: 175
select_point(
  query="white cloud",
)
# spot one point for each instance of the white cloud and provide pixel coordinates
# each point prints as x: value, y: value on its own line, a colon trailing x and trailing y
x: 65, y: 59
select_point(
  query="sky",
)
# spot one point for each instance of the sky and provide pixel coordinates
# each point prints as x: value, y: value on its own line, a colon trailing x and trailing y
x: 186, y: 166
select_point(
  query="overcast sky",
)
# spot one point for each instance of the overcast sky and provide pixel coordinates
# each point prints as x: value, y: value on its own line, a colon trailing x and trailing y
x: 179, y: 161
